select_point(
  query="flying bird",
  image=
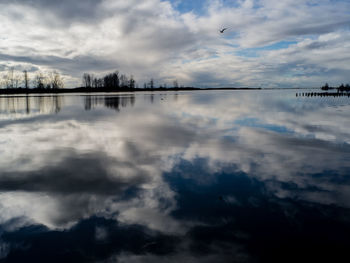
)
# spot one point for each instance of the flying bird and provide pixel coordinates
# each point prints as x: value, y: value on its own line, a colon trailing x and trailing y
x: 223, y: 30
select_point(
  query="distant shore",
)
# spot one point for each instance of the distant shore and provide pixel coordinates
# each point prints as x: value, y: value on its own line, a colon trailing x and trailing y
x: 105, y: 90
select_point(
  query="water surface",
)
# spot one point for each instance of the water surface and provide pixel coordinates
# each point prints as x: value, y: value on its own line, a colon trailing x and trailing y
x: 202, y: 176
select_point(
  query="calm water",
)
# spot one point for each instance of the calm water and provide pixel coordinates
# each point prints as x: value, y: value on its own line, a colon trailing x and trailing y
x: 210, y: 176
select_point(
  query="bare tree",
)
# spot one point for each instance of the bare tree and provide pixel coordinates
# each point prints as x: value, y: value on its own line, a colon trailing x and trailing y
x: 16, y: 80
x: 100, y: 83
x: 9, y: 81
x: 112, y: 81
x: 95, y: 83
x: 56, y: 81
x: 124, y: 81
x: 116, y: 80
x: 151, y: 84
x: 92, y: 77
x: 26, y: 79
x: 131, y: 82
x: 109, y: 81
x: 39, y: 81
x: 176, y: 84
x: 87, y: 80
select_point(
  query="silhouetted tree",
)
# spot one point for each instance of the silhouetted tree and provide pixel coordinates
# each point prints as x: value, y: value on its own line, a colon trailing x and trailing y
x: 9, y: 79
x: 115, y: 78
x: 16, y: 80
x: 325, y: 87
x: 151, y: 84
x: 87, y: 80
x: 100, y: 83
x: 124, y: 82
x: 111, y: 81
x: 56, y: 81
x: 95, y: 83
x: 131, y: 82
x: 343, y: 87
x: 26, y: 79
x: 39, y: 81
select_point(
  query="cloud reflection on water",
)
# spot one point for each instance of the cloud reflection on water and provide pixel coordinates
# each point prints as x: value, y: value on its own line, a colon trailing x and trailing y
x: 121, y: 166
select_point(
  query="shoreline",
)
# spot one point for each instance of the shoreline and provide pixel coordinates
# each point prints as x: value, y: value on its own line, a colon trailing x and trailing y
x: 21, y: 91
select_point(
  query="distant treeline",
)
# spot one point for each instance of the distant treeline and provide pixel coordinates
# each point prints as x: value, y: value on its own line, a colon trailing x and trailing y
x: 20, y: 82
x: 342, y: 87
x: 14, y: 80
x: 117, y: 81
x: 110, y: 81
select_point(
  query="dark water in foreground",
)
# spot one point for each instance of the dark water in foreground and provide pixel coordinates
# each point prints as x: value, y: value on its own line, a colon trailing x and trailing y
x: 210, y: 176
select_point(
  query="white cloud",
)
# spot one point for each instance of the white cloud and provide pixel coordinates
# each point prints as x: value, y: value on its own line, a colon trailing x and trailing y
x: 151, y: 38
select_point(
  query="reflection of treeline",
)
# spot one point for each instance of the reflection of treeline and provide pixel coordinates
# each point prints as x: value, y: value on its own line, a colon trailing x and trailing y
x: 342, y: 87
x: 14, y: 80
x: 31, y: 104
x: 323, y: 94
x: 115, y: 103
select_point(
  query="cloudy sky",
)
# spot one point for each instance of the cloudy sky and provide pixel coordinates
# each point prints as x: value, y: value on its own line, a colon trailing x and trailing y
x: 269, y: 43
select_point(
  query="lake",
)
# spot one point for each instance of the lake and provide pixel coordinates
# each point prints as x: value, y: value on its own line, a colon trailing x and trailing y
x: 193, y: 176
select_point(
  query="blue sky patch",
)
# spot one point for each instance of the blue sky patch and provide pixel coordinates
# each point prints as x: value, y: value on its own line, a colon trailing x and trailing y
x: 254, y: 52
x: 195, y: 6
x: 256, y: 123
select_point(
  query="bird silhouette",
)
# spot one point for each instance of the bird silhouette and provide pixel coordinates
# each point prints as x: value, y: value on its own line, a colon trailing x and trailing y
x: 223, y: 30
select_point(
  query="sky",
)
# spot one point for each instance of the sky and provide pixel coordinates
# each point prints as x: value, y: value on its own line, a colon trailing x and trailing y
x: 269, y: 43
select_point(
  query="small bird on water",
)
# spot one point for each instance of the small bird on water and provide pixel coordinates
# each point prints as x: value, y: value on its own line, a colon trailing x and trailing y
x: 223, y: 30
